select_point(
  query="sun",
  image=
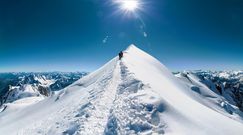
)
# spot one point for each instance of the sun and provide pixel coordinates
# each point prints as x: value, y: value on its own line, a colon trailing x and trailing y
x: 129, y: 8
x: 129, y: 5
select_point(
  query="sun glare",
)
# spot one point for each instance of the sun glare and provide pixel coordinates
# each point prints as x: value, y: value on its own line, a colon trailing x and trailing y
x: 129, y: 5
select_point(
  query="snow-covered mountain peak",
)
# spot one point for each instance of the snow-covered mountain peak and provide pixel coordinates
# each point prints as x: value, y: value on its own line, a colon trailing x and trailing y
x: 134, y: 95
x: 132, y: 46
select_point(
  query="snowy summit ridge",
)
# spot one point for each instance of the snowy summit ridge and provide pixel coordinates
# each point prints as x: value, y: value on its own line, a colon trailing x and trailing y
x: 136, y: 95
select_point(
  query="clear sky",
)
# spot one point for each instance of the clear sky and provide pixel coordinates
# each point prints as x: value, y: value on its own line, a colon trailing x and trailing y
x: 82, y: 35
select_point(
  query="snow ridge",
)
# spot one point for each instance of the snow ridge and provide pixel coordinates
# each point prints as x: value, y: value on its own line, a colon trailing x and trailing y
x: 97, y: 112
x: 135, y: 95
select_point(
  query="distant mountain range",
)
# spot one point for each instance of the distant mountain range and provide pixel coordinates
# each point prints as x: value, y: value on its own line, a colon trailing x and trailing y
x: 14, y: 86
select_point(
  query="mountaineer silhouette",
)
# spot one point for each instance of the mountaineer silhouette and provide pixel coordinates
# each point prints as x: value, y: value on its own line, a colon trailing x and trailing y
x: 120, y: 55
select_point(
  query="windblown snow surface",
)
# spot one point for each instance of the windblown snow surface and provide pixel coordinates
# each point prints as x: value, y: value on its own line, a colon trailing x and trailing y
x: 136, y: 95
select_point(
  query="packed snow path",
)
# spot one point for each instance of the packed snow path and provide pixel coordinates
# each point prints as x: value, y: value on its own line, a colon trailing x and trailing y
x: 97, y: 110
x: 117, y: 110
x: 137, y: 95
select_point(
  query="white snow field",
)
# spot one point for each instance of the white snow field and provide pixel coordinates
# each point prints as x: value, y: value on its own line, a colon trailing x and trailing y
x: 136, y: 95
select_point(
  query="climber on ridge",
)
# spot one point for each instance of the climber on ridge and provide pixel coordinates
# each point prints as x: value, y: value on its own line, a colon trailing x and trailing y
x: 120, y: 55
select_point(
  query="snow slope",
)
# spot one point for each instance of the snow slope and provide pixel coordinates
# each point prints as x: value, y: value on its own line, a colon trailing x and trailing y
x: 137, y: 95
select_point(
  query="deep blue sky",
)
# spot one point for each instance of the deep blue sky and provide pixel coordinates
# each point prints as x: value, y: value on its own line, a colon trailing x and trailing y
x: 67, y: 35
